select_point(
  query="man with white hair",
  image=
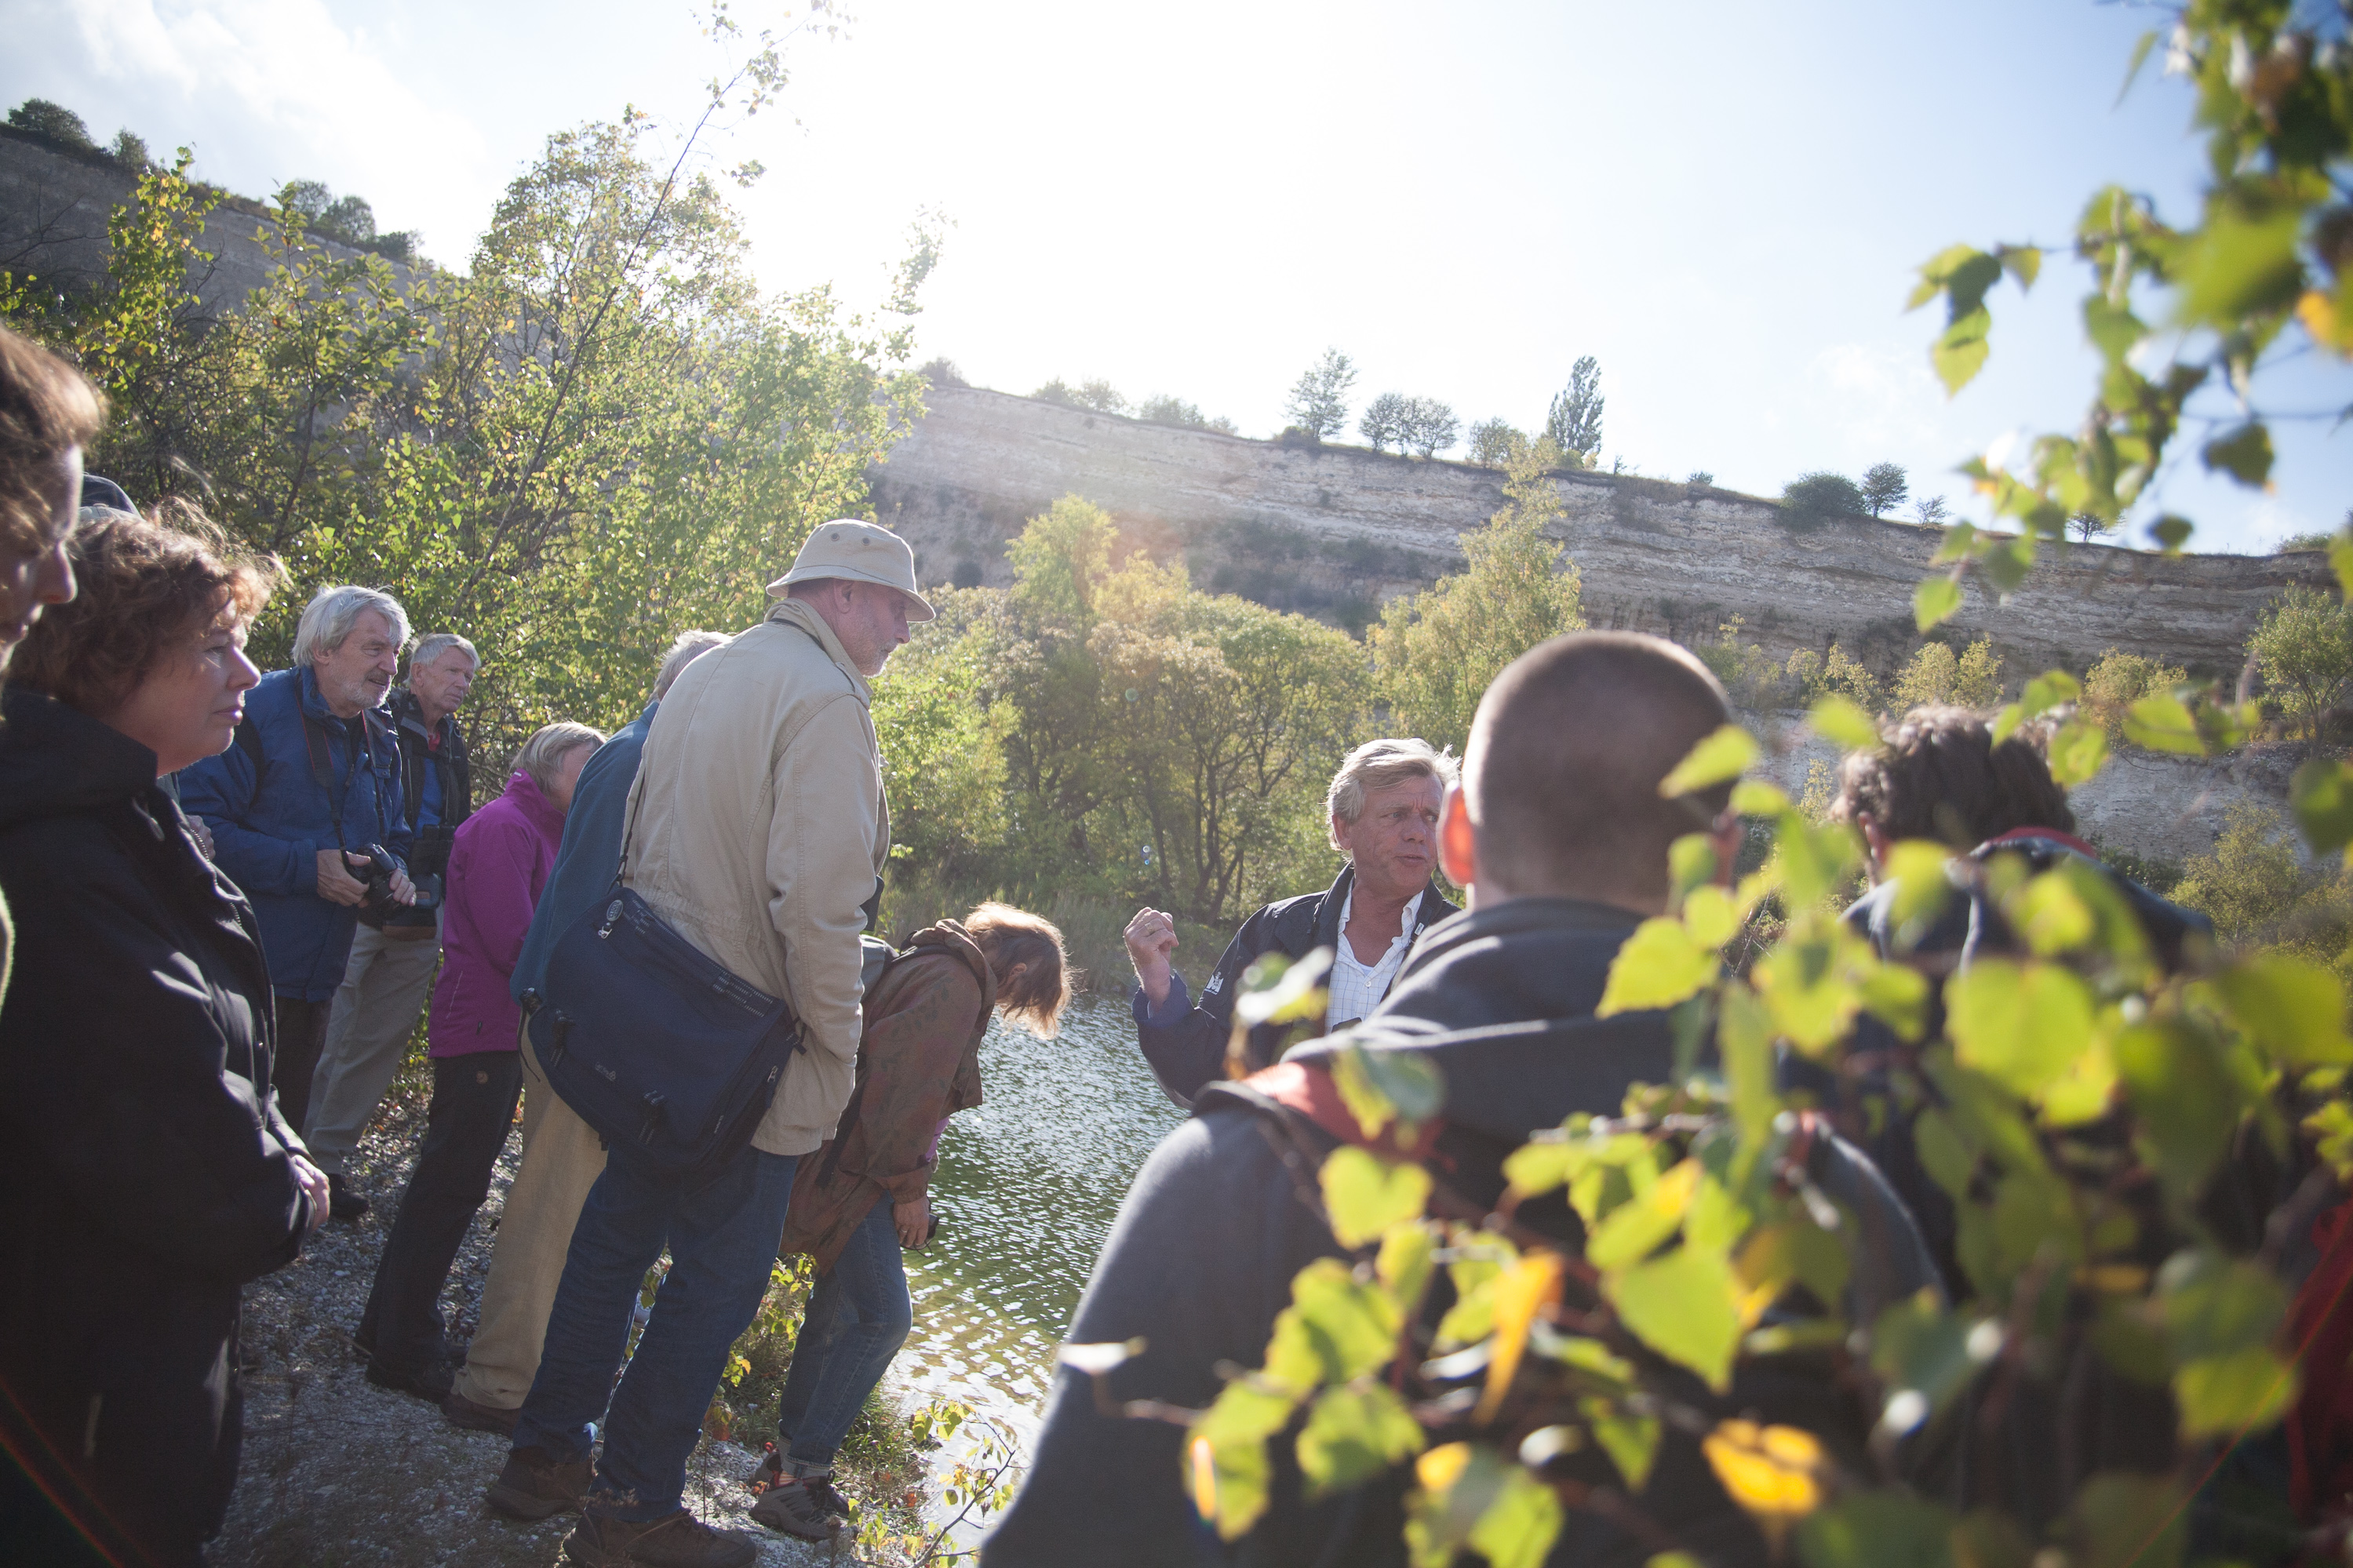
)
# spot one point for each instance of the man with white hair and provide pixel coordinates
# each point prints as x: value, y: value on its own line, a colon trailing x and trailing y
x: 394, y: 955
x: 1383, y: 811
x: 307, y: 815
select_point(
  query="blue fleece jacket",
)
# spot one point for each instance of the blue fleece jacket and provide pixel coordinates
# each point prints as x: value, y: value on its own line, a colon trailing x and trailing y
x: 268, y: 822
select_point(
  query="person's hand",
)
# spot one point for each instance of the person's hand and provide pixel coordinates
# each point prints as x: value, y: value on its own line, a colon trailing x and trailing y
x: 403, y: 892
x: 314, y: 1187
x: 202, y: 834
x: 336, y: 883
x: 913, y: 1220
x: 1151, y: 937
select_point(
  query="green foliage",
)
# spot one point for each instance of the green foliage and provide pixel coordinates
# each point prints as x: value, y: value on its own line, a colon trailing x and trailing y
x: 2120, y: 680
x: 2261, y: 894
x: 1811, y: 499
x: 1936, y: 675
x: 1496, y: 443
x: 1319, y: 399
x: 1434, y: 653
x: 2304, y: 647
x: 1162, y: 408
x: 599, y: 436
x: 1885, y: 487
x: 1573, y: 423
x: 52, y: 121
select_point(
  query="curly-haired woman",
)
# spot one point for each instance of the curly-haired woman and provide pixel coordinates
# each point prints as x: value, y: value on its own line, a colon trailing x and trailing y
x: 151, y: 1172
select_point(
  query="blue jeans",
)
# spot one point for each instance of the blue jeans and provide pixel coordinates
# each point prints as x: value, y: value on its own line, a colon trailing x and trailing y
x: 722, y: 1238
x: 859, y: 1316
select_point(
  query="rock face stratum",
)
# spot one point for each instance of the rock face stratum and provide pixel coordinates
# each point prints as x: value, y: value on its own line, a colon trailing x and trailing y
x: 1335, y: 531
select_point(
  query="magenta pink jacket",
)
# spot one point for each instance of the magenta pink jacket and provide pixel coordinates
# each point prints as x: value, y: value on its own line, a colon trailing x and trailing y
x: 497, y: 864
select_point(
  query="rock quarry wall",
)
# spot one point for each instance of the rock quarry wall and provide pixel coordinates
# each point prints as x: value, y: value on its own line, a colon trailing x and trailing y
x: 1335, y: 531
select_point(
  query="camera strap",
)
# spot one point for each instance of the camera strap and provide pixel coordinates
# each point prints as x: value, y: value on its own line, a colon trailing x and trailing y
x: 316, y: 741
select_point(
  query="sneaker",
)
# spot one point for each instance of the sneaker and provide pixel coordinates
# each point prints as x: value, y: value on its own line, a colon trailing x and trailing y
x: 430, y: 1383
x: 474, y: 1418
x: 798, y: 1500
x: 536, y: 1485
x: 677, y: 1541
x: 344, y: 1201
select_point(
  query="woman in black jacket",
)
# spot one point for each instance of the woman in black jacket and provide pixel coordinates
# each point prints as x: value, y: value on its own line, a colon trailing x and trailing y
x: 149, y: 1173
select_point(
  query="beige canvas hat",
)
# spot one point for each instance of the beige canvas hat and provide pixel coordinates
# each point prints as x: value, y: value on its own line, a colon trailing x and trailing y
x: 861, y: 553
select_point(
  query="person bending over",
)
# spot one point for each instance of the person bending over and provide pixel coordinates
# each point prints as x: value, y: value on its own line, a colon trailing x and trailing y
x: 151, y: 1170
x: 1382, y: 814
x: 498, y: 865
x: 1559, y: 833
x: 867, y: 1192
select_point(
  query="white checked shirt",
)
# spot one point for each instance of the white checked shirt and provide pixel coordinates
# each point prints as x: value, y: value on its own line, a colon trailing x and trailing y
x: 1357, y: 989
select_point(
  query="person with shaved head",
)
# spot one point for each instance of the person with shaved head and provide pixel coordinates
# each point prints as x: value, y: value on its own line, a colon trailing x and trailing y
x: 1560, y: 833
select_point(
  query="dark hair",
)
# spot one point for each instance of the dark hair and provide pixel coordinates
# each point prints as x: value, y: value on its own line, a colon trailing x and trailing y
x: 1008, y: 937
x: 45, y: 407
x: 1562, y: 769
x: 1939, y: 774
x: 148, y: 584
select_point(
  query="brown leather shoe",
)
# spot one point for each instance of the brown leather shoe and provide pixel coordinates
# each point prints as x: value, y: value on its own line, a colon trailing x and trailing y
x: 461, y: 1411
x: 536, y: 1485
x: 676, y: 1541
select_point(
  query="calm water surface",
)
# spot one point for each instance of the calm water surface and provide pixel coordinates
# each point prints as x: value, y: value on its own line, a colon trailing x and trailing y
x: 1026, y: 1190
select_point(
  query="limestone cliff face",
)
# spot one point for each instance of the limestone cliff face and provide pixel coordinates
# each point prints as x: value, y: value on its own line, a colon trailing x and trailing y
x: 1335, y: 531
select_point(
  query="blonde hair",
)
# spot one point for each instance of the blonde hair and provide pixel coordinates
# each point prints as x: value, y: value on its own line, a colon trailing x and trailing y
x: 544, y: 753
x: 1007, y: 936
x: 1376, y: 764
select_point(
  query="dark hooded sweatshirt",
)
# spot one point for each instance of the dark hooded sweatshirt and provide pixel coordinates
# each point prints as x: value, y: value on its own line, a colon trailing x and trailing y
x: 1201, y: 1257
x: 150, y: 1170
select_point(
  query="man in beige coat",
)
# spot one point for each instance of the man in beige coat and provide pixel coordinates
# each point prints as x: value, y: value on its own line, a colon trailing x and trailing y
x: 759, y: 833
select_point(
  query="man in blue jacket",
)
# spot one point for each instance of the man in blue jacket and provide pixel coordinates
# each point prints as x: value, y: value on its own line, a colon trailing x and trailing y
x: 311, y: 787
x: 562, y: 1155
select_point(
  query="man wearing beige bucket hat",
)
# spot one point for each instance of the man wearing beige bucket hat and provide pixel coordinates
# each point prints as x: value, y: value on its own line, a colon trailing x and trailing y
x: 759, y: 834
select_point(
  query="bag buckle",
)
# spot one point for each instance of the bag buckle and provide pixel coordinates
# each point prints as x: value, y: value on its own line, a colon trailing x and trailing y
x: 612, y: 917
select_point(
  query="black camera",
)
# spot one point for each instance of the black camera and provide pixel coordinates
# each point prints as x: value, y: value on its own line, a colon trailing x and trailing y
x: 377, y: 906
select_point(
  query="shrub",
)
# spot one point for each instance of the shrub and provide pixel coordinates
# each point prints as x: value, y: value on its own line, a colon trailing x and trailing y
x: 1977, y: 683
x: 1814, y: 676
x: 1754, y: 679
x: 1495, y: 443
x: 52, y: 122
x: 943, y: 372
x: 2120, y: 680
x: 2304, y: 646
x: 1699, y: 477
x: 1811, y: 499
x: 1928, y: 678
x: 2260, y: 893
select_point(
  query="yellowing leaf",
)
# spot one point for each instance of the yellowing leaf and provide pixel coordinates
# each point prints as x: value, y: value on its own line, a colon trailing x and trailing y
x: 1527, y: 1286
x: 1921, y: 870
x: 2161, y: 724
x: 1685, y: 1306
x: 2294, y: 1009
x: 2219, y: 1395
x: 1773, y: 1472
x: 1659, y: 966
x: 1755, y: 798
x: 1229, y: 1485
x: 1631, y: 1441
x: 1405, y: 1262
x: 1721, y: 757
x: 2077, y: 753
x: 1711, y: 915
x: 1517, y: 1530
x: 1745, y: 1034
x: 1364, y: 1196
x: 1960, y: 351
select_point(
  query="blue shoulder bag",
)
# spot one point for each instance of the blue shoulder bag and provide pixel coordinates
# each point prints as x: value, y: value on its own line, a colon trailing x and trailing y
x: 671, y: 1056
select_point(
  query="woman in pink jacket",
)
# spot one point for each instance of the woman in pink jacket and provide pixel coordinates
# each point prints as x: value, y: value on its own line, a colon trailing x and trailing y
x: 498, y: 863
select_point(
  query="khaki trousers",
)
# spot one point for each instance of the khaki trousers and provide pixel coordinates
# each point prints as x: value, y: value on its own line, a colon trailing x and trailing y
x: 562, y: 1159
x: 385, y: 983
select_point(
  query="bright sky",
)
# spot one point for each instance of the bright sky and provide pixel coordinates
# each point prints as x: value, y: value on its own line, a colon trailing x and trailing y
x: 1723, y: 202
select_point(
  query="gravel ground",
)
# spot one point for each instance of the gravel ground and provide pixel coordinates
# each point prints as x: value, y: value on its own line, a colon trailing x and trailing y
x: 337, y: 1471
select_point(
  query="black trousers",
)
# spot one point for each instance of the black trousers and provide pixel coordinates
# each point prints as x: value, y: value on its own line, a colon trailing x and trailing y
x: 474, y: 1101
x: 302, y: 1034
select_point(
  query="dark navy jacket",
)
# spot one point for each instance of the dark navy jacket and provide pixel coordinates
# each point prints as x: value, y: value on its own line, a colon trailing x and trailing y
x: 1206, y: 1245
x: 591, y: 851
x: 1186, y: 1045
x: 269, y: 823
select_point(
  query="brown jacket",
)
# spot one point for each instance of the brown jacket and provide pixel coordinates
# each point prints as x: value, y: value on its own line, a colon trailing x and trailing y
x: 759, y: 831
x: 918, y: 1065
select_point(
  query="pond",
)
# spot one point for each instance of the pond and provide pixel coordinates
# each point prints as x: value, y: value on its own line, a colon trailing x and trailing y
x: 1026, y: 1190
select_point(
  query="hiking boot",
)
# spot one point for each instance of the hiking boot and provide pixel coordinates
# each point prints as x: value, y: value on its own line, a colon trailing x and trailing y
x: 464, y: 1412
x: 536, y: 1485
x: 676, y: 1541
x: 798, y: 1500
x: 430, y: 1383
x: 344, y: 1201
